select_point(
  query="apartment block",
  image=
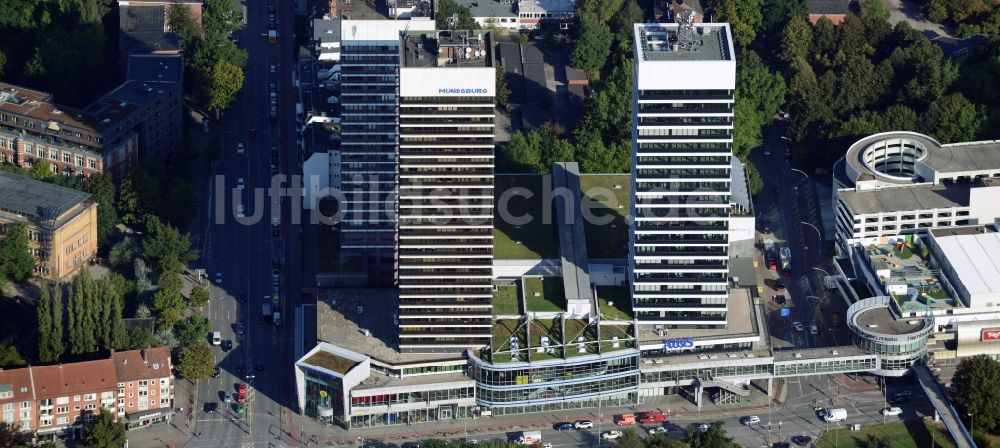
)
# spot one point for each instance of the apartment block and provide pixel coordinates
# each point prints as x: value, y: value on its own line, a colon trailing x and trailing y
x: 140, y: 118
x: 61, y: 223
x: 685, y: 76
x: 446, y: 119
x: 56, y: 401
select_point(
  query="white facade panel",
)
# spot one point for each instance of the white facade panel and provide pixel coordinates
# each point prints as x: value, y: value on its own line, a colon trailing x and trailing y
x: 447, y: 81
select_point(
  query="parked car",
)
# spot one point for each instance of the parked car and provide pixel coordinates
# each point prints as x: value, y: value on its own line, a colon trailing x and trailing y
x: 798, y: 326
x: 801, y: 440
x: 657, y: 430
x: 750, y: 420
x: 611, y: 435
x: 893, y: 410
x: 583, y: 424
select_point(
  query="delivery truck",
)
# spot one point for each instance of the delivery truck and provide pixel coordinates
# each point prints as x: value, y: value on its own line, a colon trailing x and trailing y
x: 834, y: 415
x: 652, y: 417
x: 530, y: 438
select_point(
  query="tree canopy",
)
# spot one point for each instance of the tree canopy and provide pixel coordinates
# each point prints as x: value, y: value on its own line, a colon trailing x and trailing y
x: 592, y: 47
x: 105, y: 432
x: 976, y: 386
x: 16, y: 260
x: 196, y: 362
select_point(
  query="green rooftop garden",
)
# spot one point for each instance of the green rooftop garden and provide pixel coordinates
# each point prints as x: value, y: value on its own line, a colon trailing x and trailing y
x: 544, y: 294
x: 330, y: 362
x: 506, y: 299
x: 540, y: 328
x: 576, y: 328
x: 609, y: 196
x: 621, y: 302
x: 503, y: 329
x: 622, y: 332
x: 531, y: 240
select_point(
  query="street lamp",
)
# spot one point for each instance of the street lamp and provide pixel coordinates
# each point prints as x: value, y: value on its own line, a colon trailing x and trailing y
x: 973, y: 417
x: 818, y: 233
x: 823, y: 271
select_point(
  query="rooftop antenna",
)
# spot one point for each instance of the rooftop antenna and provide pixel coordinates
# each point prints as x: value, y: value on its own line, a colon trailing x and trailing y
x: 685, y: 30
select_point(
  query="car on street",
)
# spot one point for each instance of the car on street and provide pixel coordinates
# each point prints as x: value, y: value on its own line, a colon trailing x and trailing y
x: 275, y: 230
x: 899, y: 400
x: 274, y: 168
x: 903, y: 393
x: 657, y: 430
x: 275, y: 264
x: 583, y: 424
x: 274, y: 152
x: 274, y: 69
x: 813, y: 329
x: 253, y: 132
x: 767, y: 151
x: 210, y: 407
x: 780, y: 284
x: 259, y: 366
x: 562, y: 426
x: 702, y: 428
x: 611, y: 435
x: 801, y: 440
x: 239, y: 148
x: 546, y: 445
x: 227, y: 345
x: 892, y: 410
x: 241, y: 297
x: 240, y: 184
x: 227, y: 397
x: 218, y: 277
x: 216, y: 372
x: 798, y: 326
x: 241, y: 393
x: 238, y: 328
x: 750, y: 420
x: 241, y: 211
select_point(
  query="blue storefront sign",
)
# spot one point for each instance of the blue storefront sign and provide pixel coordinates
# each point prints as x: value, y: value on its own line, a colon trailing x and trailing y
x: 675, y: 344
x: 785, y: 312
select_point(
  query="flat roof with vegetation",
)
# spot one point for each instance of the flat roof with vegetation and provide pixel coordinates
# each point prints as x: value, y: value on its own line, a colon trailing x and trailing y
x: 331, y: 362
x: 532, y: 240
x: 614, y: 302
x: 608, y: 195
x: 544, y: 294
x: 506, y: 299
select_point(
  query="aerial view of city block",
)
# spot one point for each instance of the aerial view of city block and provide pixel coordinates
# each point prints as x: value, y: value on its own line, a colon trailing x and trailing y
x: 507, y: 223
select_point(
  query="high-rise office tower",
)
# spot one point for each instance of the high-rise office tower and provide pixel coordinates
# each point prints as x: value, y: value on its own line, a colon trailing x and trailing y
x: 685, y: 76
x: 369, y: 128
x: 446, y: 137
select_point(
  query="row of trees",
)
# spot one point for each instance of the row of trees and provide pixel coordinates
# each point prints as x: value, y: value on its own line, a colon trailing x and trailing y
x: 969, y: 17
x: 215, y: 65
x: 975, y: 390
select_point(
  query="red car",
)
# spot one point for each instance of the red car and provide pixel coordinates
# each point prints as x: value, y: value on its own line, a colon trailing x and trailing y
x: 253, y: 132
x: 241, y: 393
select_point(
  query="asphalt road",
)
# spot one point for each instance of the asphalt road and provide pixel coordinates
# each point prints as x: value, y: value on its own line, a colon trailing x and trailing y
x: 788, y: 206
x: 242, y: 250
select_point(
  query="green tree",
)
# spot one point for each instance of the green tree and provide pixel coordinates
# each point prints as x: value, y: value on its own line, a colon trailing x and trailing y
x: 57, y: 346
x: 598, y: 11
x: 82, y: 315
x: 503, y: 90
x: 49, y: 349
x: 166, y: 246
x: 952, y: 118
x: 592, y: 47
x: 219, y: 16
x: 976, y: 386
x: 191, y: 330
x: 521, y: 155
x: 184, y: 26
x: 196, y: 362
x: 10, y: 358
x: 874, y: 10
x: 140, y: 338
x: 16, y: 261
x: 40, y: 170
x: 180, y: 205
x: 595, y: 157
x: 169, y: 307
x: 452, y: 16
x: 744, y: 16
x: 622, y: 24
x: 796, y: 42
x: 199, y: 296
x: 714, y: 437
x: 629, y: 439
x: 128, y: 202
x: 824, y: 36
x: 3, y: 62
x: 105, y: 432
x: 662, y: 441
x: 759, y: 93
x: 221, y: 85
x: 102, y: 190
x: 608, y: 110
x: 11, y: 436
x: 754, y: 181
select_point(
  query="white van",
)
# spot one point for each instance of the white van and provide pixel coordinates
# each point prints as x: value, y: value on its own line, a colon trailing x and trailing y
x: 834, y: 415
x: 216, y: 338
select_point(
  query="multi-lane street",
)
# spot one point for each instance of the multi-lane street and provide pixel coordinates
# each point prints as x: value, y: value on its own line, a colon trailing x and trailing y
x: 240, y: 255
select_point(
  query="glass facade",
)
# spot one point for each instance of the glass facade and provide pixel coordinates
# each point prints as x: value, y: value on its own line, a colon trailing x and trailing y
x: 412, y: 397
x: 502, y: 386
x: 323, y: 393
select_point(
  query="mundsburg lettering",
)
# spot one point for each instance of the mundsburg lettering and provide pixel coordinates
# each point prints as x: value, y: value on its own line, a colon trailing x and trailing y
x: 453, y: 91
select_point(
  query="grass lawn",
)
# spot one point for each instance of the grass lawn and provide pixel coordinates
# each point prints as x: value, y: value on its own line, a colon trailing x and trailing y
x: 608, y: 332
x: 506, y: 300
x: 544, y: 327
x: 503, y: 330
x: 550, y: 295
x: 621, y: 307
x: 606, y: 239
x: 537, y: 239
x: 898, y: 435
x: 576, y: 328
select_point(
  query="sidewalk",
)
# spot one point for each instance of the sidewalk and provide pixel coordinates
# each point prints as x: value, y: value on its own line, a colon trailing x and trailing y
x: 678, y: 409
x: 178, y: 432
